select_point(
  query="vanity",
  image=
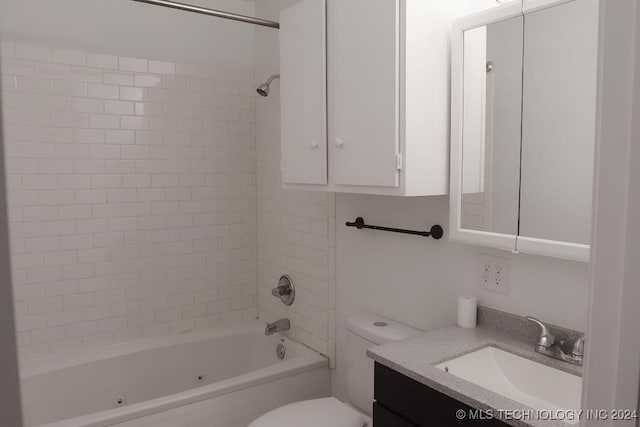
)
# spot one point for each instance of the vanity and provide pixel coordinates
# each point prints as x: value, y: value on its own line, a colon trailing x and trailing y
x: 488, y: 376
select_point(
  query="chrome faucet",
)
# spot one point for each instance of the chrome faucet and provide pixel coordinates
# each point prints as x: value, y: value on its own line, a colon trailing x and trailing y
x: 277, y: 326
x: 547, y: 345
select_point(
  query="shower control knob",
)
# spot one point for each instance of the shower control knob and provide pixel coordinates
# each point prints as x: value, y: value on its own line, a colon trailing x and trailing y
x: 339, y: 142
x: 313, y: 144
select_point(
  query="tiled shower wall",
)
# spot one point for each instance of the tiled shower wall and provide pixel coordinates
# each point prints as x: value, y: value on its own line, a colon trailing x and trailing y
x: 132, y: 196
x: 296, y: 229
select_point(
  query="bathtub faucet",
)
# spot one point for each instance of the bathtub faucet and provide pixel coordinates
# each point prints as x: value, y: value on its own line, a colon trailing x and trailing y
x: 277, y: 326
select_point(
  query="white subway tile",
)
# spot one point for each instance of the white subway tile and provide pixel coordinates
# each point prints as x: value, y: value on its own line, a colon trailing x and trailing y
x: 9, y: 85
x: 52, y: 71
x: 119, y: 107
x: 136, y: 181
x: 120, y: 137
x: 34, y: 85
x: 81, y: 329
x: 65, y: 88
x: 97, y: 60
x: 74, y: 212
x: 46, y: 335
x: 106, y: 181
x: 104, y: 151
x: 95, y: 255
x: 132, y: 93
x: 70, y: 57
x: 40, y: 213
x: 108, y: 210
x: 147, y: 80
x: 89, y: 166
x: 57, y: 289
x: 72, y: 120
x: 121, y: 166
x: 121, y: 195
x: 88, y: 75
x: 73, y: 181
x: 58, y: 228
x: 133, y: 64
x: 134, y: 122
x: 72, y: 151
x: 162, y: 67
x: 79, y: 300
x: 87, y: 105
x: 79, y: 241
x: 57, y: 197
x: 62, y: 318
x: 103, y: 91
x: 44, y: 275
x: 52, y: 103
x: 17, y: 68
x: 135, y: 152
x: 78, y: 271
x: 90, y: 196
x: 103, y: 121
x: 38, y: 182
x: 93, y: 225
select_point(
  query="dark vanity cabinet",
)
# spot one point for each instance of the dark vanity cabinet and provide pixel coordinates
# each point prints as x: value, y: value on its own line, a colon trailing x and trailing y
x: 404, y: 402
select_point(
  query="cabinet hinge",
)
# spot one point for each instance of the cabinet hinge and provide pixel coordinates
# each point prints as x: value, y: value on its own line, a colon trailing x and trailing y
x: 399, y: 161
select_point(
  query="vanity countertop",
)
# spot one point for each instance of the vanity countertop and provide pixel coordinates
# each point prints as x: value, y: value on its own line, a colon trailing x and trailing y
x: 416, y: 358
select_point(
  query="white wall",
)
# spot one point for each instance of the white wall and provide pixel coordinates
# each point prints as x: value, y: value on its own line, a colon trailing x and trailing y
x: 128, y: 28
x: 613, y: 351
x: 417, y: 280
x: 295, y: 228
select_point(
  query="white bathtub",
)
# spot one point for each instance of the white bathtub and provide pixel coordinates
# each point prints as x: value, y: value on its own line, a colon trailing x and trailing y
x: 219, y: 377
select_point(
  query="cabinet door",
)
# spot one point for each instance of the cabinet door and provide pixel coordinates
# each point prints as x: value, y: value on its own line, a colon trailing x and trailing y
x: 363, y: 91
x: 303, y: 93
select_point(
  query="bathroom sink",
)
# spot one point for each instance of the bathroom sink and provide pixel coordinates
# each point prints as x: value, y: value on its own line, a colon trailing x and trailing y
x: 531, y: 383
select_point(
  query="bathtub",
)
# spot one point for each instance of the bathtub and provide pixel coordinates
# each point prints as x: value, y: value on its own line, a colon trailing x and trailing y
x: 223, y: 377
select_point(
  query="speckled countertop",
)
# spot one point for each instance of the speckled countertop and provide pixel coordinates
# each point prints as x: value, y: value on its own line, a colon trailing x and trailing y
x: 416, y: 358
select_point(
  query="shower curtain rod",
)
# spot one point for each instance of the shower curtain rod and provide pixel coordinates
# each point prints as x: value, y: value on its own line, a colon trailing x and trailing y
x: 212, y: 12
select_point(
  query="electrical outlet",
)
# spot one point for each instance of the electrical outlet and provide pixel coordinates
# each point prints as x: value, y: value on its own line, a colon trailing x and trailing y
x: 493, y: 274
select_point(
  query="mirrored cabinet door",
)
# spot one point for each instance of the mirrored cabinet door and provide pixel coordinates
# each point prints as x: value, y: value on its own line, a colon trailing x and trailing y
x: 491, y: 130
x: 523, y: 127
x: 558, y: 123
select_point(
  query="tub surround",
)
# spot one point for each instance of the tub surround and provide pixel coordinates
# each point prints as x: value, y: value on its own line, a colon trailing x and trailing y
x: 416, y: 358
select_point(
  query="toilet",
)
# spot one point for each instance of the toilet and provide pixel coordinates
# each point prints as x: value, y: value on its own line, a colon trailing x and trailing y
x: 363, y: 331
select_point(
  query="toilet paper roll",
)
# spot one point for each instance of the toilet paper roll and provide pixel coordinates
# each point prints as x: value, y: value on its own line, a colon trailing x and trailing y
x: 467, y: 311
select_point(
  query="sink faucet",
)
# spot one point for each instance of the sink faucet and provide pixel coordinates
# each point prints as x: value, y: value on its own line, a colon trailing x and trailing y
x: 547, y: 345
x: 277, y: 326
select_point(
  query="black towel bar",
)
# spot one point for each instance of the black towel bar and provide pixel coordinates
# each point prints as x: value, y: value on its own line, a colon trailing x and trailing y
x: 436, y: 231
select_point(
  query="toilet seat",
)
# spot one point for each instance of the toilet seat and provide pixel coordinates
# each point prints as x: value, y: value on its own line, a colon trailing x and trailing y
x: 312, y: 413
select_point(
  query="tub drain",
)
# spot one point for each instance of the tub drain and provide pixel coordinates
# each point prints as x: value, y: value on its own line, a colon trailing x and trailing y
x: 201, y: 377
x: 119, y: 401
x: 280, y: 351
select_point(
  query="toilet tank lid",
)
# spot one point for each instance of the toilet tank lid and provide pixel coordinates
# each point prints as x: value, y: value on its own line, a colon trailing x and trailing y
x: 378, y: 329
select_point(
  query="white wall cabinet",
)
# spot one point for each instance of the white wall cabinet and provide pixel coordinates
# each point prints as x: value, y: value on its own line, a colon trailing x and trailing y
x: 374, y: 74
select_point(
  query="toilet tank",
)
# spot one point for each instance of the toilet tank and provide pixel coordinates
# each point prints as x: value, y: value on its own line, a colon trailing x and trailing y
x: 364, y: 331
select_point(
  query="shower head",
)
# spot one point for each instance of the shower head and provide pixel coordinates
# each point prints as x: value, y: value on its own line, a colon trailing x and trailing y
x: 263, y: 89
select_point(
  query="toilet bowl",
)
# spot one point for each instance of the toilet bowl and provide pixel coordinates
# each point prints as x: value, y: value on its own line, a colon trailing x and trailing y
x: 327, y: 412
x: 363, y: 332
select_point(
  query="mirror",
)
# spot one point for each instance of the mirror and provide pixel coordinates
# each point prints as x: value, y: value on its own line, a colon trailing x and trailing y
x: 492, y: 101
x: 523, y: 127
x: 558, y: 124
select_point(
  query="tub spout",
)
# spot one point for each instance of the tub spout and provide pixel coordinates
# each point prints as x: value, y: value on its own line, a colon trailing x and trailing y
x: 277, y: 326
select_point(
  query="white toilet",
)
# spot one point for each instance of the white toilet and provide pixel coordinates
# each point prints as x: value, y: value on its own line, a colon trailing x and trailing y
x: 363, y: 332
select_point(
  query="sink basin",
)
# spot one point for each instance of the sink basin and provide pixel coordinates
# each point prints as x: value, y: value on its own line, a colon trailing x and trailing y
x: 531, y: 383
